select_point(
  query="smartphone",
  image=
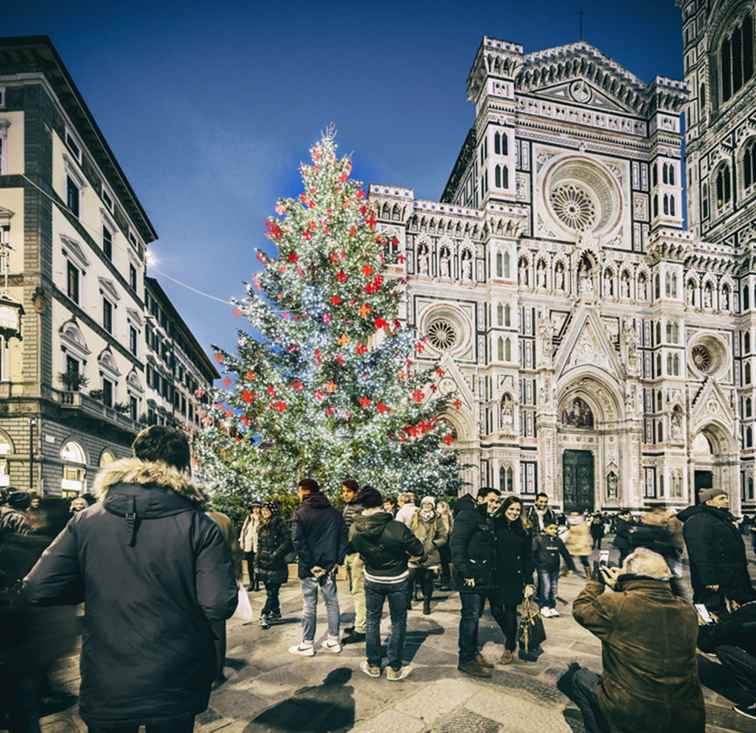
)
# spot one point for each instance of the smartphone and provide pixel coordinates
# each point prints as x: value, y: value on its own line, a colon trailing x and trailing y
x: 703, y: 613
x: 603, y: 558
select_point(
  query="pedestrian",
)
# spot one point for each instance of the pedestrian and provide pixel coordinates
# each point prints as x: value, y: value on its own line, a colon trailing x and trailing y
x: 648, y: 637
x: 226, y: 527
x: 354, y: 565
x: 248, y: 542
x: 547, y: 549
x: 444, y: 512
x: 622, y: 522
x: 389, y: 506
x: 732, y: 637
x: 539, y: 515
x: 718, y: 564
x: 13, y: 513
x: 271, y: 569
x: 78, y: 504
x: 385, y: 546
x: 660, y: 531
x: 513, y: 573
x: 473, y: 549
x: 578, y: 540
x: 154, y: 574
x: 320, y: 541
x: 597, y: 529
x: 432, y: 532
x: 407, y: 508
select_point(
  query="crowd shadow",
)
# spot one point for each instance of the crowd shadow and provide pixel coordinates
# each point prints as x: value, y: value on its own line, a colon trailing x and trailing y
x: 325, y: 708
x: 415, y: 637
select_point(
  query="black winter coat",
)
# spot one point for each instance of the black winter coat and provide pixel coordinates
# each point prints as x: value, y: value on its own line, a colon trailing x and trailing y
x: 653, y: 537
x: 546, y: 551
x: 717, y: 553
x: 473, y: 546
x: 534, y: 527
x: 273, y: 544
x: 735, y: 629
x: 154, y: 573
x: 621, y: 534
x: 319, y: 535
x: 384, y: 544
x: 514, y: 560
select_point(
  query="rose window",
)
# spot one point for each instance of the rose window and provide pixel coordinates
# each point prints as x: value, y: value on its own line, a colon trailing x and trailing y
x: 702, y: 358
x: 574, y: 207
x: 442, y: 335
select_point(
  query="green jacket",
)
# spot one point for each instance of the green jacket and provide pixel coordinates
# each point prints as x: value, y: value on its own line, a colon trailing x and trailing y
x: 648, y: 640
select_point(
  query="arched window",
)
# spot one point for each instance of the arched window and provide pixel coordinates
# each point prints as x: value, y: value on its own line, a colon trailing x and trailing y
x: 507, y: 271
x: 746, y: 343
x: 502, y: 470
x: 74, y: 467
x: 746, y: 304
x: 669, y: 364
x: 747, y: 373
x: 654, y: 175
x: 705, y: 201
x: 500, y: 314
x: 669, y: 333
x: 660, y: 432
x: 507, y: 350
x: 749, y: 437
x: 677, y: 365
x: 658, y: 365
x: 499, y: 265
x: 658, y: 333
x: 723, y: 186
x: 500, y: 349
x: 671, y: 205
x: 702, y: 97
x: 507, y: 315
x: 497, y: 175
x: 505, y: 177
x: 665, y: 177
x: 497, y: 143
x: 748, y: 406
x: 656, y: 204
x: 671, y: 174
x: 749, y: 164
x: 736, y: 58
x: 657, y: 286
x: 504, y: 144
x: 675, y: 334
x: 673, y: 285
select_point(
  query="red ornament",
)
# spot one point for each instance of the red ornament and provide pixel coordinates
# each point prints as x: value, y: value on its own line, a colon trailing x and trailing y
x: 371, y: 221
x: 401, y: 259
x: 250, y: 376
x: 360, y: 194
x: 293, y: 257
x: 279, y: 405
x: 316, y: 354
x: 247, y: 396
x: 237, y: 312
x: 270, y: 390
x: 380, y: 323
x: 329, y: 411
x: 298, y: 386
x: 307, y: 234
x: 448, y: 439
x: 457, y: 404
x: 226, y: 382
x: 365, y: 402
x: 335, y: 300
x: 418, y: 395
x: 199, y: 392
x: 319, y: 395
x: 361, y: 349
x: 353, y: 231
x: 340, y: 359
x: 440, y: 372
x: 363, y: 209
x: 341, y: 276
x: 420, y: 348
x: 382, y: 408
x: 274, y: 231
x: 367, y: 270
x: 218, y: 357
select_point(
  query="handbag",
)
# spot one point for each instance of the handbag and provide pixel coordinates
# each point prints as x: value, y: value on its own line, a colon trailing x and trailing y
x: 243, y: 607
x: 532, y: 632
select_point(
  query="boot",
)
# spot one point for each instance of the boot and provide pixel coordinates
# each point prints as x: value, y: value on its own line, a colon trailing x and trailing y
x: 474, y: 669
x: 426, y: 607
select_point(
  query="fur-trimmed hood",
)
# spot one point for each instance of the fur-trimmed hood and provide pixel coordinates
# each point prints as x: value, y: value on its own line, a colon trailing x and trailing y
x: 147, y: 474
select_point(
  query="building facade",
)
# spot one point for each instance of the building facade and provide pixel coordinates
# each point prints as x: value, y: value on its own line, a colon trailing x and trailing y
x: 73, y: 391
x: 178, y: 371
x: 595, y: 343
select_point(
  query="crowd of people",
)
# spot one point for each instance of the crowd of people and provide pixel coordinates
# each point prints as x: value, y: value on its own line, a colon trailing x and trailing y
x: 159, y: 572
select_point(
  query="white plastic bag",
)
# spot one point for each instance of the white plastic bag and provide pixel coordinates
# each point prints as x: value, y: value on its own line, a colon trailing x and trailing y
x: 243, y: 607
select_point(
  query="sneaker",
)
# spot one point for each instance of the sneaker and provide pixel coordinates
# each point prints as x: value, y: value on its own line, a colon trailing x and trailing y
x: 274, y: 617
x: 303, y: 650
x: 394, y: 675
x: 369, y: 670
x: 507, y: 657
x: 748, y: 711
x: 483, y: 662
x: 331, y: 645
x: 354, y: 638
x: 264, y: 622
x: 545, y: 612
x: 474, y: 669
x: 554, y: 613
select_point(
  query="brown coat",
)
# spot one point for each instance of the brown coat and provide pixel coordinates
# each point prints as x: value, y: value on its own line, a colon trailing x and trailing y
x: 648, y: 639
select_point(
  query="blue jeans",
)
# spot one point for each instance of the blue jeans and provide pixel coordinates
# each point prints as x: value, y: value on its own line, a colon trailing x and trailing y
x: 548, y: 582
x: 310, y: 588
x: 398, y: 596
x: 469, y: 620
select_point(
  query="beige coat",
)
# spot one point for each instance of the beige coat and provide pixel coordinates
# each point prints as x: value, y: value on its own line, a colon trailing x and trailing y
x: 578, y: 540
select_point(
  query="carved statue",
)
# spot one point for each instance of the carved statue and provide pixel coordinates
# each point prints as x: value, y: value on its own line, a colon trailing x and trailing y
x: 523, y: 272
x: 691, y: 293
x: 625, y: 285
x: 642, y: 288
x: 676, y: 423
x: 541, y: 275
x: 545, y: 329
x: 445, y: 263
x: 612, y: 481
x: 608, y: 283
x: 707, y: 296
x: 585, y: 280
x: 467, y: 273
x: 725, y: 299
x: 507, y: 411
x: 559, y: 277
x: 423, y: 258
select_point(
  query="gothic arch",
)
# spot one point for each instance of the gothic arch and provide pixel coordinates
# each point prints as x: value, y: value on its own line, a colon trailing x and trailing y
x: 599, y: 390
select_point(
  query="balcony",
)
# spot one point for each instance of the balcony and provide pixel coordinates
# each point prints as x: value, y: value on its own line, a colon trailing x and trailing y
x: 91, y: 407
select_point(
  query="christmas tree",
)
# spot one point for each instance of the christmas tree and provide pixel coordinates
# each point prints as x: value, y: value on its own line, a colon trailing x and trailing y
x: 327, y: 387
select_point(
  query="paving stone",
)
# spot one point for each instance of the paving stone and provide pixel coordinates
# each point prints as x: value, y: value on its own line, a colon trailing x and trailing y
x: 516, y: 714
x: 466, y: 722
x: 437, y: 699
x: 391, y: 721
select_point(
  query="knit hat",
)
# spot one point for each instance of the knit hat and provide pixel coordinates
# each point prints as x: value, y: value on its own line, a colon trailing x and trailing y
x: 430, y: 499
x: 707, y: 494
x: 19, y: 500
x: 369, y: 498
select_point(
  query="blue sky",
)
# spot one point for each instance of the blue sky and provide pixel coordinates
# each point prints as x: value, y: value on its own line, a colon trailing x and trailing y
x: 209, y: 107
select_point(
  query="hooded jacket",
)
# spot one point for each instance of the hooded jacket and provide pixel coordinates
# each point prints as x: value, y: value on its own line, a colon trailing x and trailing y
x: 273, y: 545
x: 648, y: 639
x: 717, y: 553
x: 473, y: 546
x: 319, y: 535
x: 154, y: 572
x: 384, y: 544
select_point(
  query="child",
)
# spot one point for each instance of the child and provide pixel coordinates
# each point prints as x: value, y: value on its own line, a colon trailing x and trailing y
x: 547, y: 548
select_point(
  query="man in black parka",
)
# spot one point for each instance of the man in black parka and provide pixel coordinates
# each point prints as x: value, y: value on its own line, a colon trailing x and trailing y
x: 154, y: 573
x: 718, y: 565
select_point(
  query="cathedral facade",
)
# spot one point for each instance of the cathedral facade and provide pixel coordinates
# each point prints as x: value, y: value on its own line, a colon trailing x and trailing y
x: 600, y: 350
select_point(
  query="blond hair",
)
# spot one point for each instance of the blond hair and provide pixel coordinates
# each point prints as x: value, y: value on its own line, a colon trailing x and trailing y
x: 647, y: 563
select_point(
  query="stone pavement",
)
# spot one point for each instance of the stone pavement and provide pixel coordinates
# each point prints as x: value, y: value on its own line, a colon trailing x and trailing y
x: 270, y: 690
